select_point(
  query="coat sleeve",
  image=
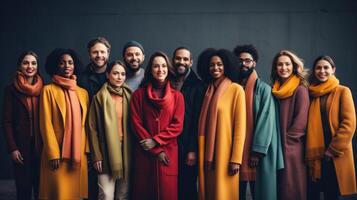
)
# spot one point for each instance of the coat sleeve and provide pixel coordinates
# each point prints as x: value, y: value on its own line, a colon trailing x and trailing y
x: 93, y: 119
x: 136, y: 119
x: 50, y: 143
x: 239, y: 127
x: 347, y: 125
x: 300, y: 115
x: 8, y: 120
x: 174, y: 129
x: 265, y: 125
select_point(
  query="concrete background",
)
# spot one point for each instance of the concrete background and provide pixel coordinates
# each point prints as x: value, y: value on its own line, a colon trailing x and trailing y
x: 308, y: 27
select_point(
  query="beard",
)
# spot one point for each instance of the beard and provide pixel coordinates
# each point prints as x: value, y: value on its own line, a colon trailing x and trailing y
x: 181, y: 69
x: 132, y: 69
x: 105, y: 62
x: 245, y: 73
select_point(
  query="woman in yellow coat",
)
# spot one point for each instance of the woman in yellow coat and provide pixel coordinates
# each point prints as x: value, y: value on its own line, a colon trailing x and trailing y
x: 63, y: 110
x: 222, y: 126
x: 331, y: 126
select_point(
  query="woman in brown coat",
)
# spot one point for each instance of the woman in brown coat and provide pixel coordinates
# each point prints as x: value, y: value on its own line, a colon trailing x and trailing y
x: 332, y: 123
x: 20, y: 122
x: 289, y: 88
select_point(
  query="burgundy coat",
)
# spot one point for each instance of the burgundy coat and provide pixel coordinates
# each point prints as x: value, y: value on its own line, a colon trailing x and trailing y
x: 17, y: 122
x: 293, y: 124
x: 152, y: 179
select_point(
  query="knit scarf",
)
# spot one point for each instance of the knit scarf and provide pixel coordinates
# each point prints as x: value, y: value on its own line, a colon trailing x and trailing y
x: 118, y: 160
x: 315, y: 146
x: 156, y: 101
x: 208, y: 117
x: 287, y: 89
x: 248, y: 173
x: 32, y: 91
x: 71, y: 145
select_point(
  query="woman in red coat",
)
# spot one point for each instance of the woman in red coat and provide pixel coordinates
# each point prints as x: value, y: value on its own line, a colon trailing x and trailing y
x: 157, y: 114
x: 21, y: 125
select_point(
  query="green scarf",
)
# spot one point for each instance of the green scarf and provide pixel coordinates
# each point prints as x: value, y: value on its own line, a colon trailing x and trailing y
x: 119, y: 157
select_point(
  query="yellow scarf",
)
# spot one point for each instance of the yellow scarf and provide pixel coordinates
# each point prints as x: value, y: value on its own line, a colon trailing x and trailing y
x: 287, y: 89
x: 315, y: 146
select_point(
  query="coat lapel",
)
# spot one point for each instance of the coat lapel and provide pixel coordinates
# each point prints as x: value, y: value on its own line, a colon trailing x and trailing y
x: 21, y: 98
x: 83, y: 103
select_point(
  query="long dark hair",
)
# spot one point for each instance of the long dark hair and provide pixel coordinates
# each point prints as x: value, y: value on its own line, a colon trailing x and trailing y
x: 148, y: 75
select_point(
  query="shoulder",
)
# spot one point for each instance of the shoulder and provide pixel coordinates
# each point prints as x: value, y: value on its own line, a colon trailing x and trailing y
x: 236, y: 87
x: 139, y: 92
x: 82, y: 91
x: 302, y: 90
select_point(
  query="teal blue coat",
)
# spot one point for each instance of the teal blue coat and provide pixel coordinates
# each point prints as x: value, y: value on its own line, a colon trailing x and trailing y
x: 266, y: 141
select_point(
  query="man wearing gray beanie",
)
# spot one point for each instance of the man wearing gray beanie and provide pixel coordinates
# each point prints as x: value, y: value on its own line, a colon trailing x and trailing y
x: 134, y: 56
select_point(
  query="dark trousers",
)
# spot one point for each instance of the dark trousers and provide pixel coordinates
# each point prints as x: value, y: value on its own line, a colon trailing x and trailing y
x: 187, y: 182
x: 243, y: 186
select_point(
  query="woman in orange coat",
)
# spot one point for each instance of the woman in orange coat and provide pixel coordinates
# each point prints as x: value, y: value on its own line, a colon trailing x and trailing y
x: 63, y: 111
x: 331, y: 126
x: 21, y: 127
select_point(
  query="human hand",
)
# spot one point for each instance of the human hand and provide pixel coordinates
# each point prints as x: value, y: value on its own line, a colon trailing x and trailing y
x: 16, y: 156
x: 328, y: 155
x: 148, y: 144
x: 98, y: 166
x: 191, y: 158
x: 233, y: 168
x: 55, y: 164
x: 162, y: 157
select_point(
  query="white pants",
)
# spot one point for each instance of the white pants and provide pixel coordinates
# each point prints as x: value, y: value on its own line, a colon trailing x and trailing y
x: 109, y: 188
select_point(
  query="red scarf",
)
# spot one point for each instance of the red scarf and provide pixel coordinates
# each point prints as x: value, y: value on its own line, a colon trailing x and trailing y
x: 71, y: 146
x: 158, y: 102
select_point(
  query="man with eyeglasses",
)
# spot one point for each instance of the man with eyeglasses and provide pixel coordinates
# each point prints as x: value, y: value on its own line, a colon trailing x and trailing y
x: 262, y: 156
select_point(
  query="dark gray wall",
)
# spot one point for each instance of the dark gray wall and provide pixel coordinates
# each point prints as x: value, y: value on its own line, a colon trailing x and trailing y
x: 309, y: 28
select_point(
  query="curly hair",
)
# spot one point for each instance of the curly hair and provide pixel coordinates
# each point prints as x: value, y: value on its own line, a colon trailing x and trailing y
x: 246, y: 48
x: 54, y: 58
x: 230, y: 63
x: 298, y: 67
x: 148, y: 77
x: 312, y: 77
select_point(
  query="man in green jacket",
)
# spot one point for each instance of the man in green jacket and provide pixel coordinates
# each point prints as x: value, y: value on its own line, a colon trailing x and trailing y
x: 262, y: 157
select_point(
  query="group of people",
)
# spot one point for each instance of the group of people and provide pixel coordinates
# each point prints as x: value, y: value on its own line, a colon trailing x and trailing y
x: 118, y: 130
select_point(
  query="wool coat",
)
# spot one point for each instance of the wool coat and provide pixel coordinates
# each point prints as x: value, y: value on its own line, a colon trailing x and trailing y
x: 193, y: 92
x: 293, y: 124
x: 229, y: 141
x: 67, y: 182
x: 17, y: 124
x: 153, y: 179
x: 342, y: 123
x: 267, y: 142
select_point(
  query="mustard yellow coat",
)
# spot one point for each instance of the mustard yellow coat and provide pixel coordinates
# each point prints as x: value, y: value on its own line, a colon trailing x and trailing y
x: 342, y: 119
x: 230, y: 137
x: 66, y: 182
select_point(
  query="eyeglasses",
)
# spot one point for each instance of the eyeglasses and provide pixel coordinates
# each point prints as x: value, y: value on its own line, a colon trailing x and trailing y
x: 245, y: 61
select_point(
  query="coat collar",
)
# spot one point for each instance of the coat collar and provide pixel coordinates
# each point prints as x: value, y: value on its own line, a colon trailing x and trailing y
x: 61, y: 102
x: 192, y: 78
x: 21, y: 97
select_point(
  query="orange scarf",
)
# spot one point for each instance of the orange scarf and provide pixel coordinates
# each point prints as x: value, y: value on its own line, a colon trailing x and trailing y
x: 247, y: 173
x: 208, y: 117
x: 287, y: 89
x: 32, y: 91
x: 71, y: 146
x: 315, y: 146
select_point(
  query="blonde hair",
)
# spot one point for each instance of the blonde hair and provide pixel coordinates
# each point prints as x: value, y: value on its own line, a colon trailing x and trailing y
x: 298, y: 67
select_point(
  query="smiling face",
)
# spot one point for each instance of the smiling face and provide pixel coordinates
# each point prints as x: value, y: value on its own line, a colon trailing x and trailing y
x: 323, y: 70
x: 99, y: 55
x: 66, y: 66
x: 134, y: 58
x: 247, y: 61
x: 182, y: 61
x: 29, y: 66
x: 159, y: 69
x: 216, y: 67
x: 284, y: 67
x: 117, y: 75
